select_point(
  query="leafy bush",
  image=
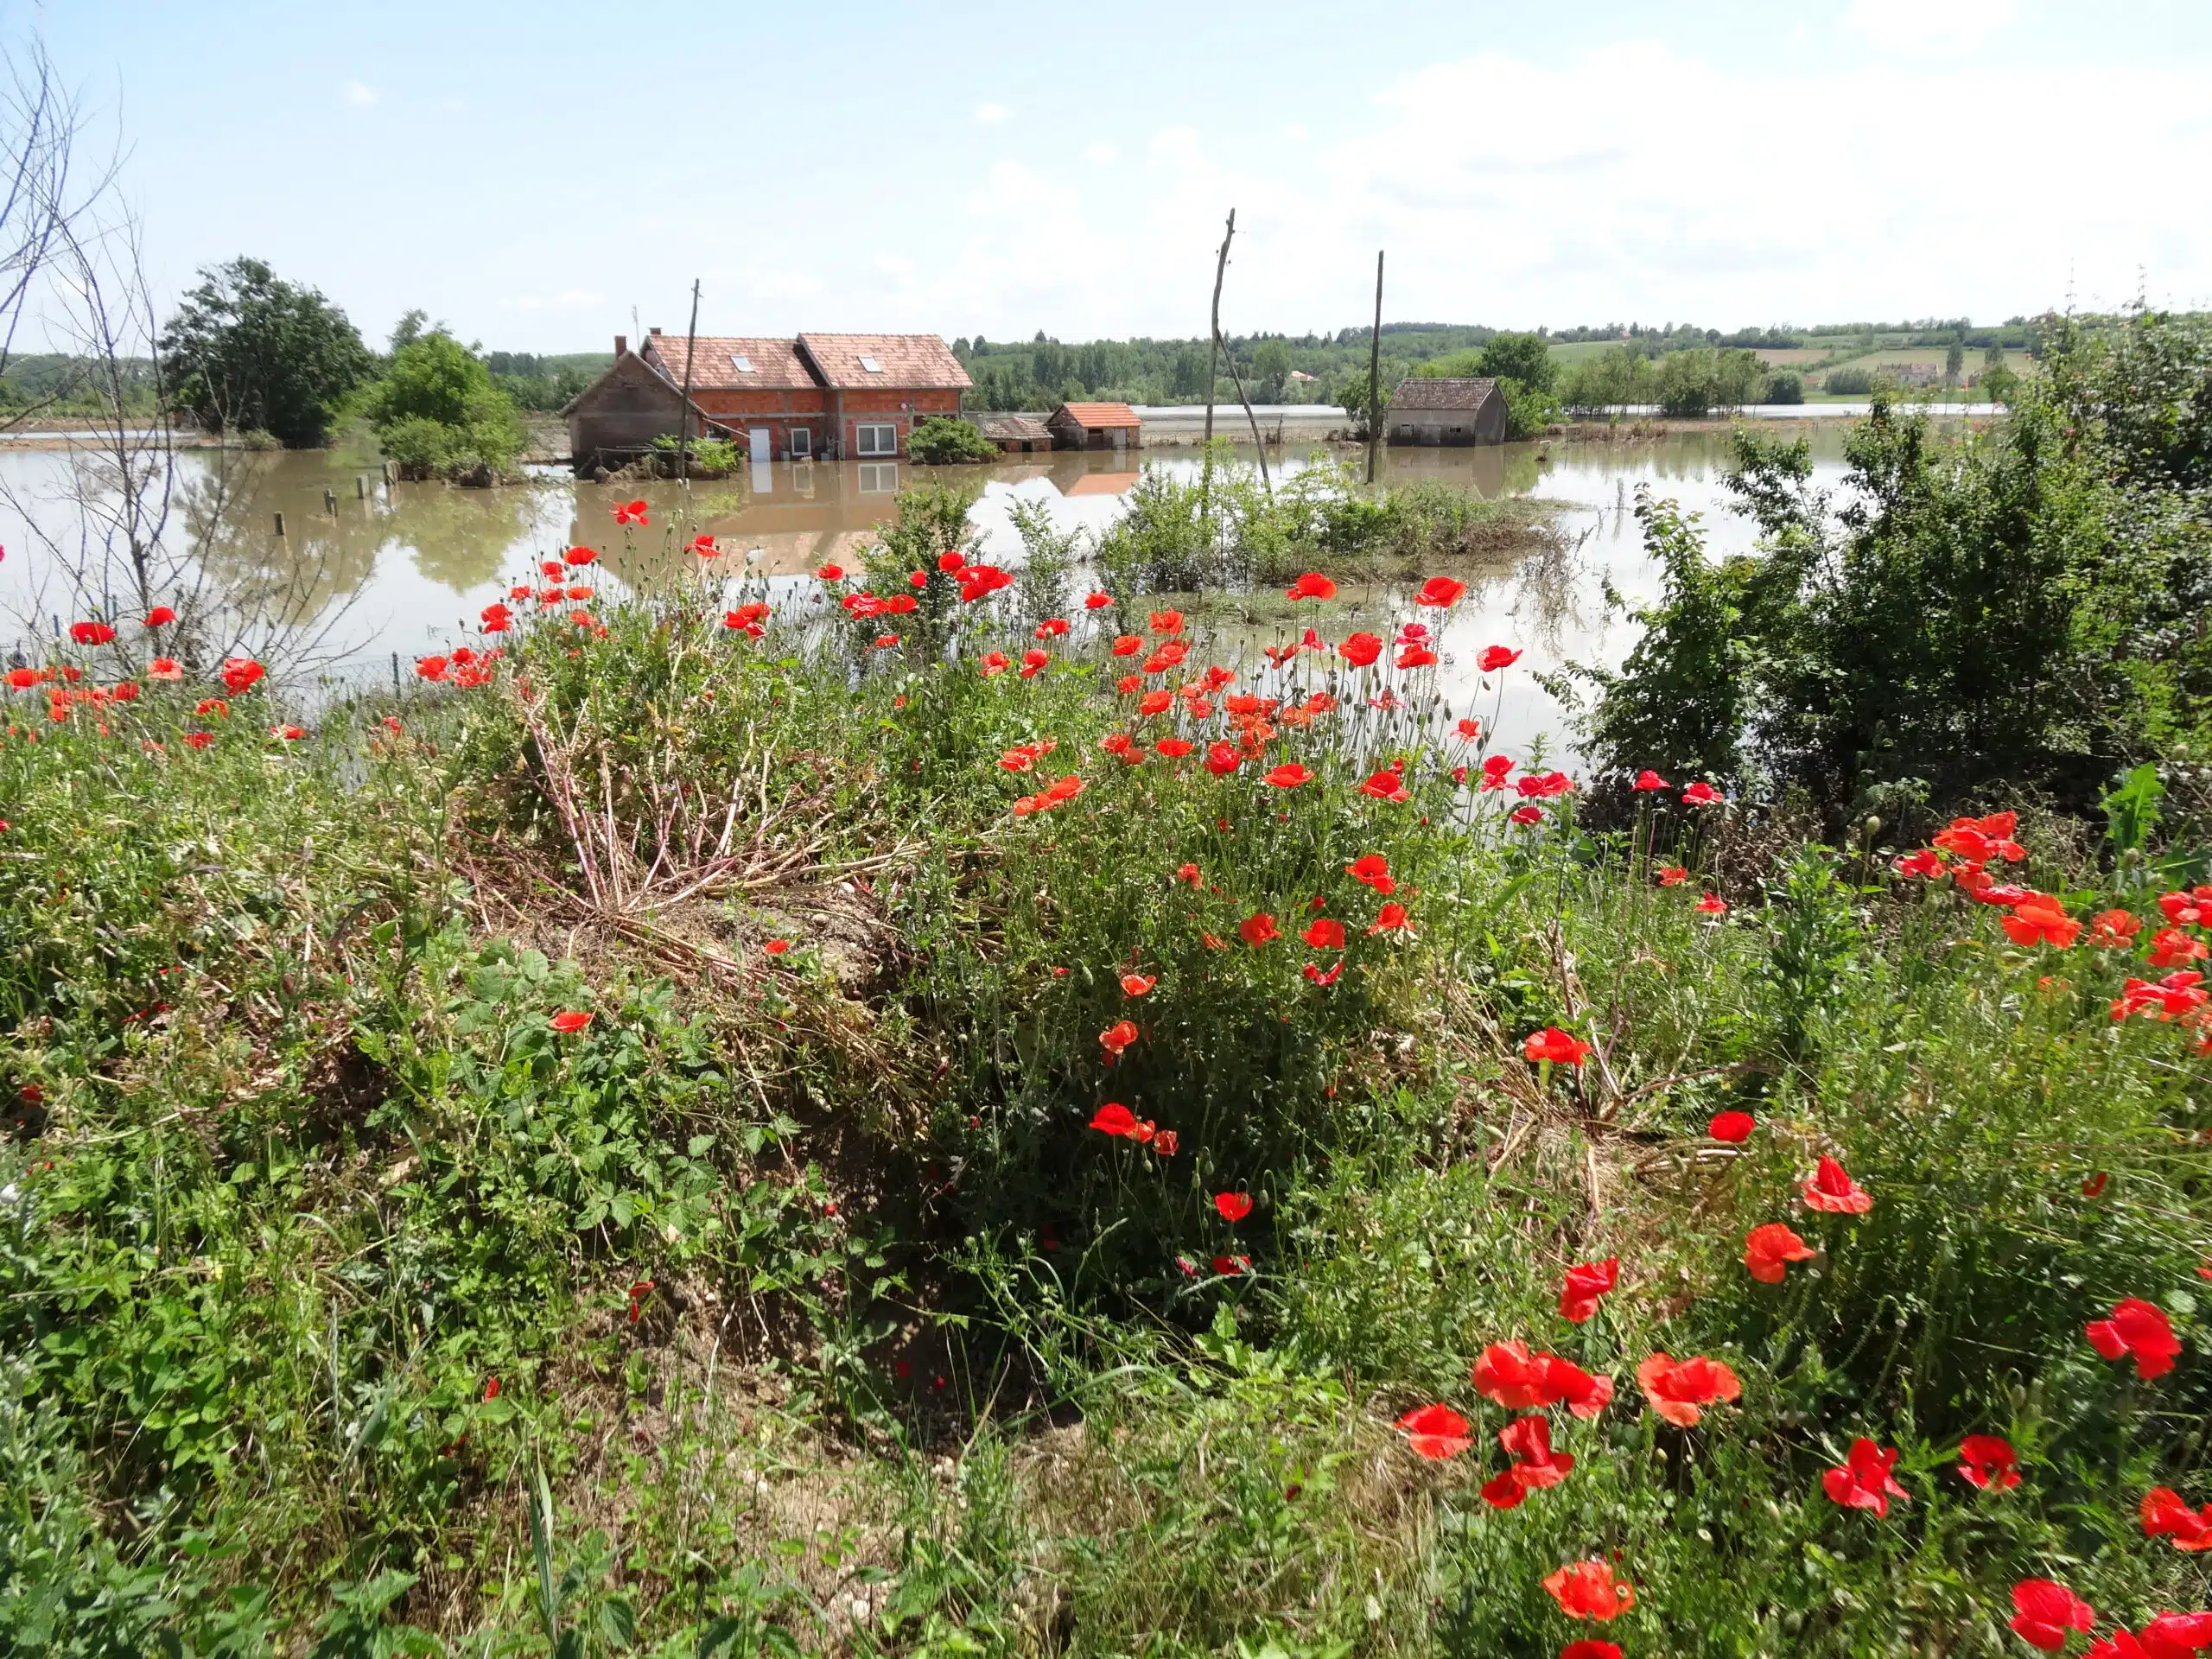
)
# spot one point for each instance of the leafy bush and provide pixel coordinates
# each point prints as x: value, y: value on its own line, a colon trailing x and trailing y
x: 1785, y: 386
x: 938, y: 440
x: 1849, y: 382
x: 438, y: 414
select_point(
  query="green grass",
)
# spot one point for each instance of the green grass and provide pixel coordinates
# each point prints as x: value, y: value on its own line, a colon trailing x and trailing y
x: 830, y: 1324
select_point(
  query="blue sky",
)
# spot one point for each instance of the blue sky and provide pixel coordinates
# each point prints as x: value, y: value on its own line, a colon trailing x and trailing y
x: 532, y: 174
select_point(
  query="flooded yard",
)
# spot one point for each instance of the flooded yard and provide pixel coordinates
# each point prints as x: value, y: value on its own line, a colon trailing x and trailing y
x: 394, y: 571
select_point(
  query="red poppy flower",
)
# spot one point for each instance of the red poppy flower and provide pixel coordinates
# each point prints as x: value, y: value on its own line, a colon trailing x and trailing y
x: 239, y: 672
x: 631, y: 512
x: 1138, y: 984
x: 1231, y: 1266
x: 287, y: 733
x: 1988, y: 1460
x: 1508, y: 1373
x: 1496, y: 657
x: 90, y: 634
x: 1114, y: 1118
x: 1166, y: 621
x: 1310, y: 586
x: 1052, y: 627
x: 1416, y: 656
x: 2115, y: 929
x: 2095, y: 1184
x: 1097, y: 602
x: 1649, y: 779
x: 1335, y: 971
x: 1117, y: 1037
x: 1289, y: 775
x: 579, y: 555
x: 1586, y: 1281
x: 1034, y: 661
x: 1734, y: 1128
x: 1392, y: 917
x: 1588, y: 1590
x: 830, y: 573
x: 1528, y: 1441
x: 2171, y: 948
x: 2044, y: 1611
x: 1174, y: 654
x: 1360, y: 650
x: 1590, y: 1648
x: 1834, y: 1192
x: 165, y: 667
x: 570, y: 1019
x: 1187, y: 872
x: 1386, y: 785
x: 1680, y: 1390
x: 776, y: 947
x: 1165, y: 1143
x: 160, y: 617
x: 1435, y: 1433
x: 1559, y: 1048
x: 1440, y: 592
x: 1527, y: 814
x: 1701, y: 794
x: 1863, y: 1480
x: 200, y: 740
x: 1256, y: 931
x: 705, y: 547
x: 2140, y: 1329
x: 1372, y: 870
x: 993, y: 663
x: 2041, y: 919
x: 1770, y: 1247
x: 1233, y: 1206
x: 1922, y: 863
x: 746, y: 616
x: 214, y: 706
x: 2167, y: 1515
x: 1222, y: 759
x: 1172, y: 749
x: 1324, y: 934
x: 1672, y: 875
x: 1712, y: 904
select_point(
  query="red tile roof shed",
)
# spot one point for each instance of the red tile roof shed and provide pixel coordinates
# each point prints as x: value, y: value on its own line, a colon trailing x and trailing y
x: 1101, y: 416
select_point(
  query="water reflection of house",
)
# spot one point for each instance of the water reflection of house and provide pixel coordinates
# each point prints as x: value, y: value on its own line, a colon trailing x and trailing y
x: 818, y: 395
x: 1448, y: 411
x: 1101, y: 484
x: 1094, y: 426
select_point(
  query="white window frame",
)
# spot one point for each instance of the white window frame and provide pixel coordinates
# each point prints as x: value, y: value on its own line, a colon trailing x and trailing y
x: 886, y: 434
x: 800, y: 443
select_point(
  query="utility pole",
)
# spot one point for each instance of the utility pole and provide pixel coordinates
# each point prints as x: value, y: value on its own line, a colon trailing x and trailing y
x: 683, y: 420
x: 1374, y: 371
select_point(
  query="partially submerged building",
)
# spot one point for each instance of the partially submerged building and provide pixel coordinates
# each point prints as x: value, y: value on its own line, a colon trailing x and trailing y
x: 1018, y: 434
x: 1094, y: 426
x: 831, y: 396
x: 1446, y: 411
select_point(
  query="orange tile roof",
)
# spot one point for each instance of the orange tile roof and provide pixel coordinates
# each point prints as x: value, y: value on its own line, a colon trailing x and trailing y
x: 904, y: 359
x: 776, y: 363
x: 1095, y: 416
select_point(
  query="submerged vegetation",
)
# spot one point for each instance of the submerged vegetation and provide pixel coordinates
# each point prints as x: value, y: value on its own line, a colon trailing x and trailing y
x: 934, y: 1110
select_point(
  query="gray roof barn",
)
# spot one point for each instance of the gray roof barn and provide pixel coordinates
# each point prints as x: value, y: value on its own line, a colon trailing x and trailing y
x: 1446, y: 410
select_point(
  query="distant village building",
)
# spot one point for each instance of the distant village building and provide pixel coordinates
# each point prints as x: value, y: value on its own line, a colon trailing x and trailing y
x: 1094, y: 426
x: 1018, y: 434
x: 1446, y: 411
x: 831, y: 396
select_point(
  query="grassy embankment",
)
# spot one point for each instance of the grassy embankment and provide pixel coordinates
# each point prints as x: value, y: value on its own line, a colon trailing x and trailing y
x: 799, y: 1282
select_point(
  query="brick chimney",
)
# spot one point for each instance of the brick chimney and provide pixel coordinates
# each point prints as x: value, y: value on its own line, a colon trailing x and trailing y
x: 656, y: 333
x: 621, y: 344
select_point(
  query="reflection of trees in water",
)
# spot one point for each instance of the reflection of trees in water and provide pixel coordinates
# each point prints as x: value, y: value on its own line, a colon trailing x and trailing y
x: 291, y: 580
x: 463, y: 538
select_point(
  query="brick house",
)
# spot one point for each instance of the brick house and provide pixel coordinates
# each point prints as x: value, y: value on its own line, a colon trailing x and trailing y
x: 827, y: 396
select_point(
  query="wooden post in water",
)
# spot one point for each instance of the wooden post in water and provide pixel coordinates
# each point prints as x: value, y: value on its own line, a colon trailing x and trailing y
x: 683, y: 420
x: 1374, y: 371
x: 330, y: 502
x: 360, y: 487
x: 280, y: 524
x: 1213, y: 361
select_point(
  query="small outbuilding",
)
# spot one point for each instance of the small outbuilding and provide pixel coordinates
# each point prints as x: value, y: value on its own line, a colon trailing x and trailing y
x: 1446, y: 411
x: 1021, y: 435
x: 615, y: 419
x: 1094, y: 426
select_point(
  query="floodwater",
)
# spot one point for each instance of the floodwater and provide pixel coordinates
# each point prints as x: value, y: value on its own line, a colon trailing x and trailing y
x: 391, y: 572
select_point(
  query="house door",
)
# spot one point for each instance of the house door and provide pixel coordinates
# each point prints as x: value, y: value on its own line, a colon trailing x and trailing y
x: 761, y: 442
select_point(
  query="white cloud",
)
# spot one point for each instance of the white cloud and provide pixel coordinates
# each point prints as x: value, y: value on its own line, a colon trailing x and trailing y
x: 1517, y: 221
x: 1922, y: 25
x: 1100, y: 153
x: 991, y: 115
x: 1295, y: 131
x: 359, y: 95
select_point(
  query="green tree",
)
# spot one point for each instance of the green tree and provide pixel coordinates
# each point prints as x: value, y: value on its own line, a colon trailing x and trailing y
x: 1524, y: 357
x: 1271, y: 367
x: 247, y: 351
x: 438, y: 414
x: 1619, y: 375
